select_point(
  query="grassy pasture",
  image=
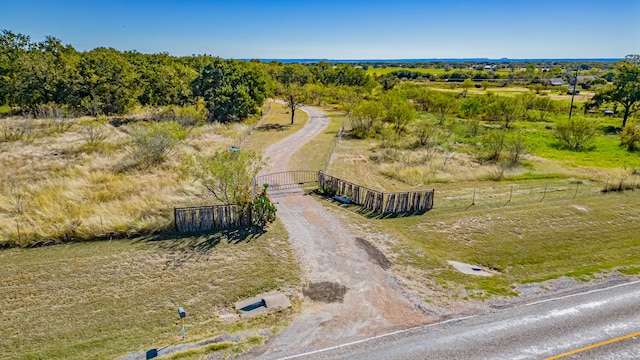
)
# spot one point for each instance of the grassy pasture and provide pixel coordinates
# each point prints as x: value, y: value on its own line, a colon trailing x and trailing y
x: 275, y: 127
x: 316, y: 153
x: 526, y: 240
x: 544, y: 219
x: 101, y: 300
x: 106, y: 299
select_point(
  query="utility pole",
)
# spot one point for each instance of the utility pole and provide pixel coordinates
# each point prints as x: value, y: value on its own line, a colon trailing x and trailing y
x: 573, y: 93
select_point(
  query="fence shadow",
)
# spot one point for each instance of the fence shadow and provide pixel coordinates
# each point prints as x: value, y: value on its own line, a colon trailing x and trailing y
x: 204, y: 241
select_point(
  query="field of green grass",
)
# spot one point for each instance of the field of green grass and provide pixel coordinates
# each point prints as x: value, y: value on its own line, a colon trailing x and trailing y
x: 543, y: 219
x: 275, y: 127
x: 102, y: 300
x: 524, y: 241
x: 316, y: 153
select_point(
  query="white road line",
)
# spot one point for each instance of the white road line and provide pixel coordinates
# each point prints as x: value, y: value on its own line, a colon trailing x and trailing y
x: 583, y: 293
x: 377, y: 337
x: 449, y: 321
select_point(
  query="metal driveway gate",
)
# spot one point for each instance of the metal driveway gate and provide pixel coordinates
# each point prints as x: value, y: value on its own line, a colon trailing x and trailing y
x: 288, y: 180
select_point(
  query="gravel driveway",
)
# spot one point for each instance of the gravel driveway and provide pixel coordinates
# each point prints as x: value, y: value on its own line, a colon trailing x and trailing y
x: 349, y: 296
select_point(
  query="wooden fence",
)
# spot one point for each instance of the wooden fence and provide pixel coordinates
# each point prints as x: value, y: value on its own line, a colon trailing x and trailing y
x: 376, y: 201
x: 206, y: 218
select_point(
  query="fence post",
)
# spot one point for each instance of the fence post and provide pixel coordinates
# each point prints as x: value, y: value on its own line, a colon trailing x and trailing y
x: 545, y: 192
x: 175, y: 219
x: 18, y: 227
x: 576, y: 194
x: 510, y: 194
x: 473, y: 200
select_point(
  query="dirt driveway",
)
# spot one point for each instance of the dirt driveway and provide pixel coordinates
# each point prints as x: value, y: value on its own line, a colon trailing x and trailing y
x: 350, y: 295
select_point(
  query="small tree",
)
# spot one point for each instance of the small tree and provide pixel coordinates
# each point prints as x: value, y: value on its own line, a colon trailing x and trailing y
x: 467, y: 84
x: 293, y: 97
x: 366, y: 118
x: 516, y: 145
x: 544, y: 106
x: 494, y: 141
x: 504, y: 109
x: 227, y: 175
x: 442, y: 105
x: 576, y: 133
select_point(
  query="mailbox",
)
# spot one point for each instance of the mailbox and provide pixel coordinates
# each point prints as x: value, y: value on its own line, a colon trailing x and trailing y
x: 181, y: 312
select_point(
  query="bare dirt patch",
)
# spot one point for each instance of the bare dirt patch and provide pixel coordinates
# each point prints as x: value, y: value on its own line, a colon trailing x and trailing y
x: 326, y: 292
x: 376, y: 255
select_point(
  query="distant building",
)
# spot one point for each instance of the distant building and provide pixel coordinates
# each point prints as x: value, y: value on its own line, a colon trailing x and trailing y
x: 582, y: 79
x: 488, y: 67
x: 556, y: 82
x: 608, y: 113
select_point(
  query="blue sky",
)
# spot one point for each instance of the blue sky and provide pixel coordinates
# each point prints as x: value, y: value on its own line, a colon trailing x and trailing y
x: 372, y: 29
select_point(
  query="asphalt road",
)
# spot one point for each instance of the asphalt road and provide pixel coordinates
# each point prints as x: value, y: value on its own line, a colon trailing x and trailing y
x: 601, y: 324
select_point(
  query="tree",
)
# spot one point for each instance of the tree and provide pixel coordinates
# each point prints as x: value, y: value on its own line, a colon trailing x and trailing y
x: 443, y: 105
x: 504, y: 109
x: 467, y: 84
x: 227, y: 175
x: 106, y: 82
x: 232, y: 89
x: 544, y: 106
x: 625, y: 90
x: 400, y: 112
x: 471, y: 108
x: 576, y: 133
x: 630, y: 137
x: 366, y: 118
x: 293, y: 96
x: 388, y: 81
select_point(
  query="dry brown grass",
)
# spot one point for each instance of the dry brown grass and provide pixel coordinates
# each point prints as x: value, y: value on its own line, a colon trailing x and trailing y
x: 56, y: 187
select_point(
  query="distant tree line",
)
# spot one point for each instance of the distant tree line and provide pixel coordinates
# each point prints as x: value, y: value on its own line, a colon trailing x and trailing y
x: 107, y: 81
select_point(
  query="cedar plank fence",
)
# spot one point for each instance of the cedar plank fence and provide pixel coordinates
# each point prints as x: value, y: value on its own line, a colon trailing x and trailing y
x: 221, y: 217
x: 206, y: 218
x: 376, y: 201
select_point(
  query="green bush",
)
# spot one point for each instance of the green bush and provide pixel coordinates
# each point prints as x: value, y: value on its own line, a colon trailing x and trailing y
x: 630, y: 137
x: 576, y: 133
x: 154, y: 142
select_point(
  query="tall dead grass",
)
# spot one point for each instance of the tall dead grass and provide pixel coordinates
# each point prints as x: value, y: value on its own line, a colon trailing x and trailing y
x: 54, y: 188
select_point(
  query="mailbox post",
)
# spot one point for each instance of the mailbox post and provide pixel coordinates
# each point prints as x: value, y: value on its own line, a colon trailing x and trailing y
x: 182, y: 316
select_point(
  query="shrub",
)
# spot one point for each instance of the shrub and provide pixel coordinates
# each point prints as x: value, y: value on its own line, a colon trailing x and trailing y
x: 576, y: 133
x: 494, y: 143
x: 630, y: 137
x: 264, y: 212
x: 95, y: 131
x: 154, y: 142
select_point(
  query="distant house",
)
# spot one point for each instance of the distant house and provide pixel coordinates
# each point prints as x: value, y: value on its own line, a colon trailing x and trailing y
x: 608, y: 113
x: 488, y: 67
x: 582, y: 79
x: 556, y: 82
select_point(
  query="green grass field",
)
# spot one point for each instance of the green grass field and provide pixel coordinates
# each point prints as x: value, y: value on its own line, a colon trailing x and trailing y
x: 275, y: 127
x: 316, y: 153
x: 525, y: 241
